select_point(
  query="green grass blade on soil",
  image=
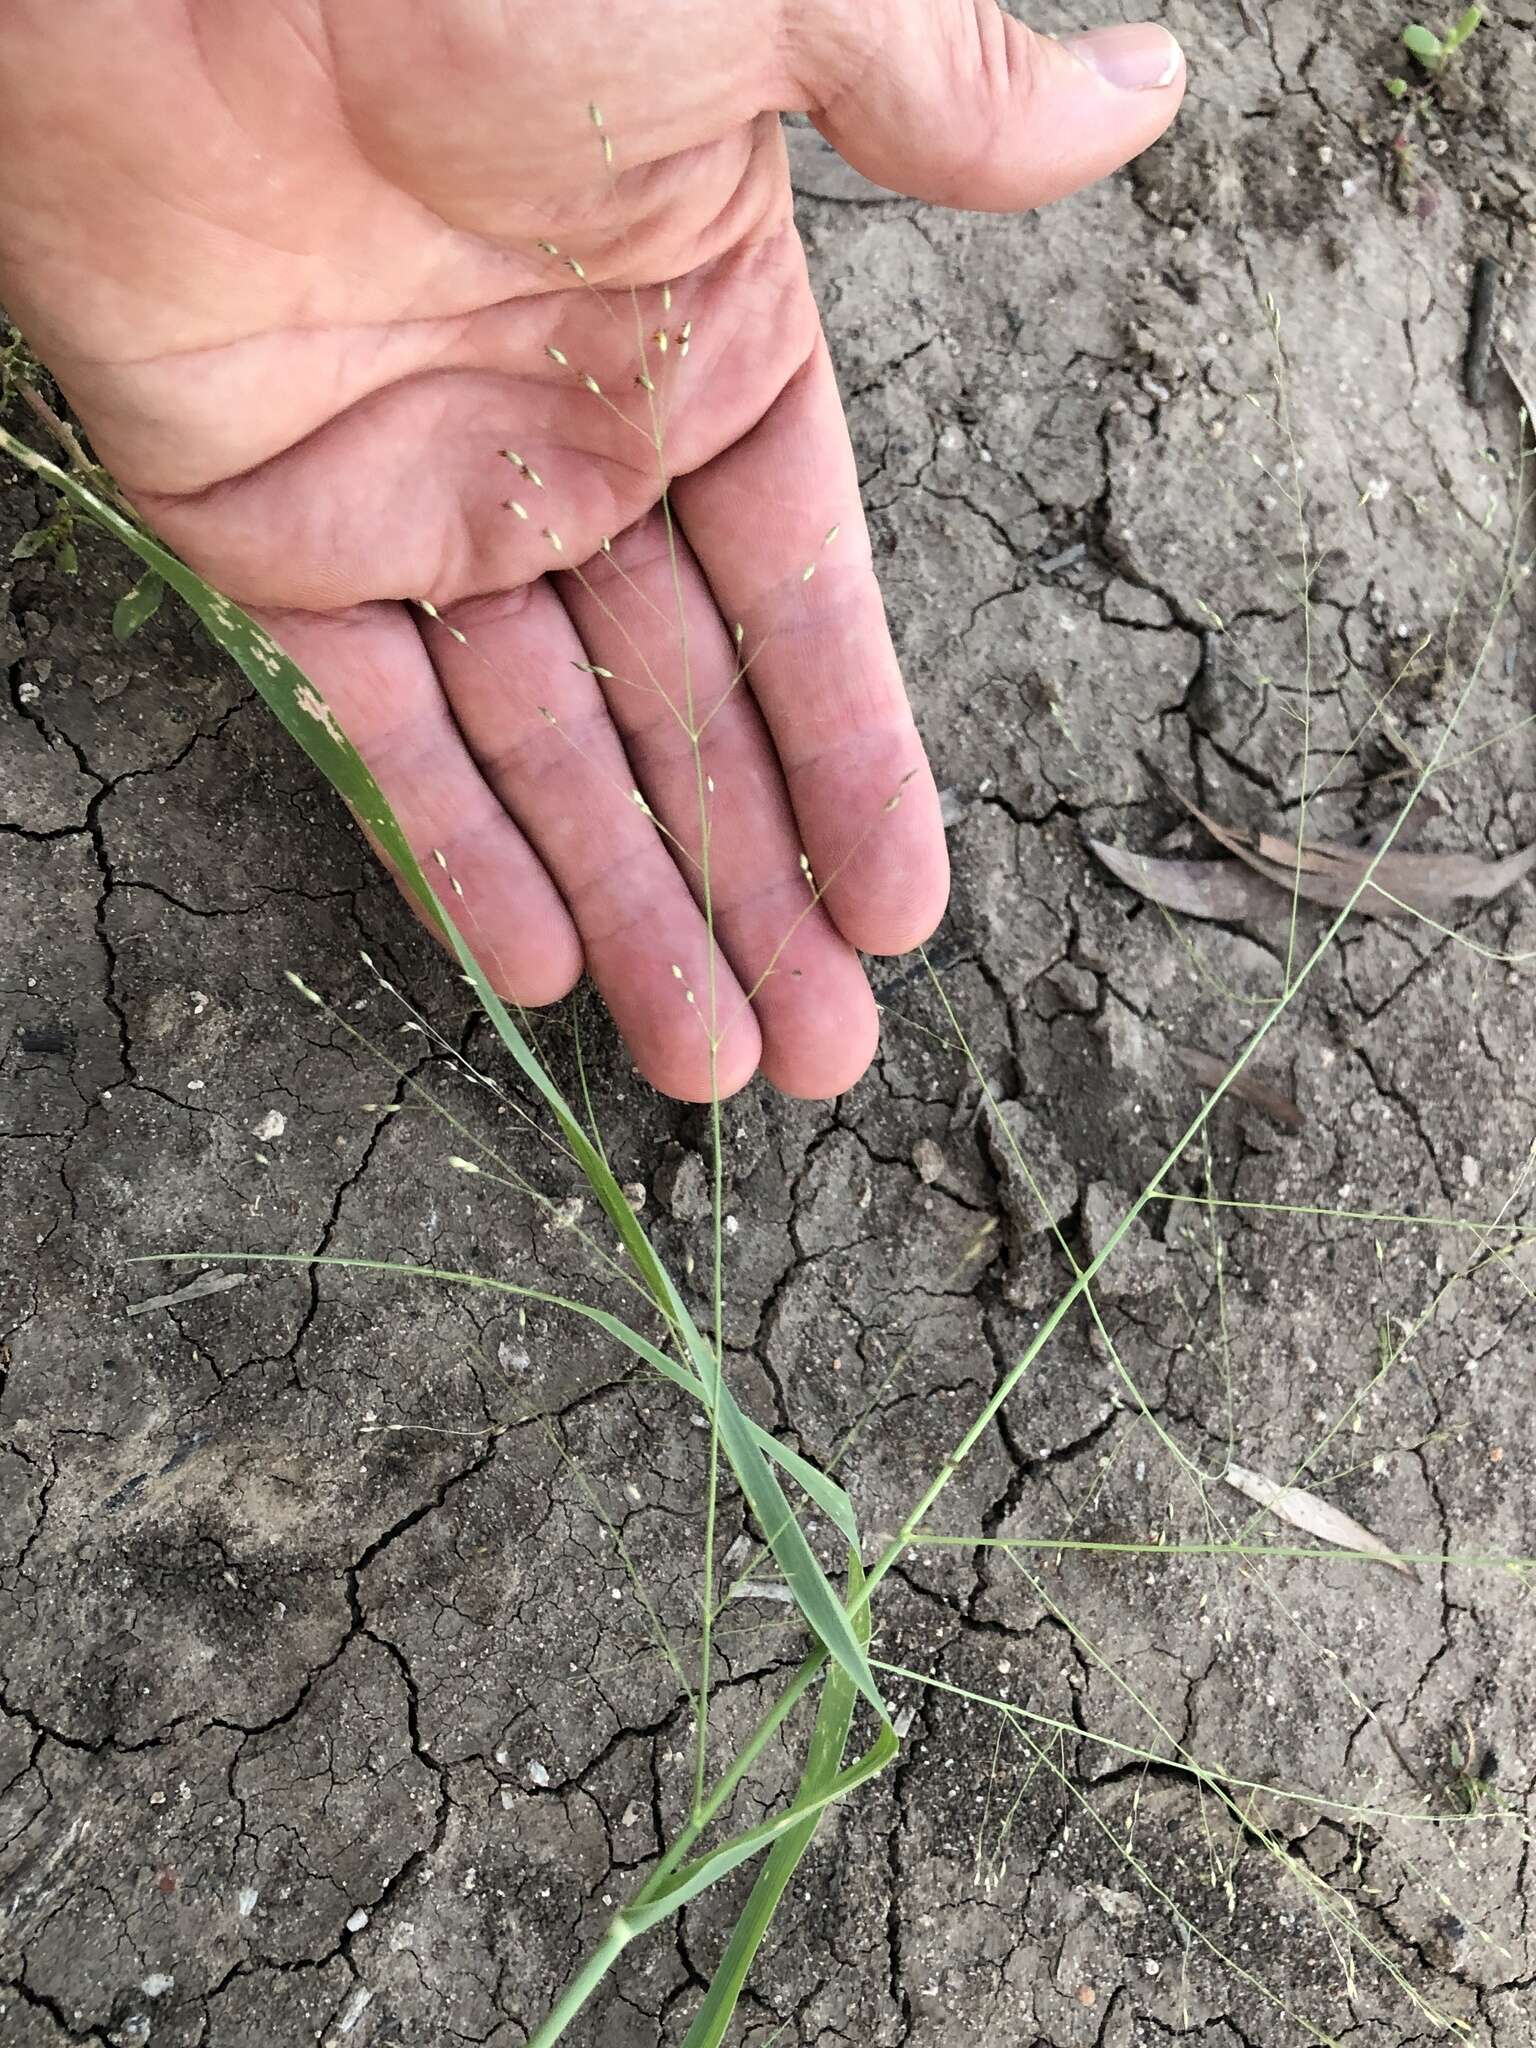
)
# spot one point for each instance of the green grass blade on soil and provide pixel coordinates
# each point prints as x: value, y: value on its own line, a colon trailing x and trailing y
x: 825, y: 1492
x: 829, y: 1740
x: 693, y: 1878
x: 304, y: 713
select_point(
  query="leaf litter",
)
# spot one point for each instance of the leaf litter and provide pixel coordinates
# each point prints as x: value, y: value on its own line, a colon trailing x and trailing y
x: 1314, y: 1517
x: 1264, y: 869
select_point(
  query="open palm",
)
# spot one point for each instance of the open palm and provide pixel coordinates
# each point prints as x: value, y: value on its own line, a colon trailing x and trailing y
x: 307, y: 270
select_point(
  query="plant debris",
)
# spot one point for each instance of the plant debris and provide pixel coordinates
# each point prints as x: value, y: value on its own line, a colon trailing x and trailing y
x: 1210, y: 1072
x: 1486, y: 279
x: 1314, y: 1517
x: 195, y: 1290
x: 1221, y: 889
x: 1267, y: 868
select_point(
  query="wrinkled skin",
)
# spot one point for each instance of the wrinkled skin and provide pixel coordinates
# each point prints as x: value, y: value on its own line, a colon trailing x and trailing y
x: 285, y: 262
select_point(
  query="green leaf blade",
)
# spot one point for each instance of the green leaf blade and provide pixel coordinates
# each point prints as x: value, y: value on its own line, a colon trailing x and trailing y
x: 698, y: 1876
x: 138, y: 605
x: 824, y: 1758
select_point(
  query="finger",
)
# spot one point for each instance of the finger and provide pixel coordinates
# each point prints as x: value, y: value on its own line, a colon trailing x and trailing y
x: 823, y: 669
x: 702, y: 755
x: 535, y: 721
x: 371, y: 669
x: 955, y: 102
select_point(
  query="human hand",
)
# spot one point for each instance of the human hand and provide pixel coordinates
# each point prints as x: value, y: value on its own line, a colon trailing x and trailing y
x: 291, y: 265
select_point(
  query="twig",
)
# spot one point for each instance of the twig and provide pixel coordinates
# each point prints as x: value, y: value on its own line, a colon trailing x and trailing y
x: 61, y: 430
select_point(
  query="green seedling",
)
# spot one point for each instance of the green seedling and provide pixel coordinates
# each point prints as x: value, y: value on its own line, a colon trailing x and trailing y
x: 1435, y: 52
x: 1471, y: 1783
x: 17, y: 363
x: 138, y: 605
x: 55, y: 537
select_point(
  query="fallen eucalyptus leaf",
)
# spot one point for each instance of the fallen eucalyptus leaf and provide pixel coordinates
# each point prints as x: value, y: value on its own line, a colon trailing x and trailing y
x: 1314, y: 1517
x: 1324, y: 872
x: 1210, y: 1072
x: 1321, y: 871
x: 1222, y: 889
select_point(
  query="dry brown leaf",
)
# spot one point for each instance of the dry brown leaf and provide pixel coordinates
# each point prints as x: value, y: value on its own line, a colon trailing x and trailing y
x: 1323, y: 872
x: 1223, y: 889
x: 1314, y: 1517
x: 1210, y: 1072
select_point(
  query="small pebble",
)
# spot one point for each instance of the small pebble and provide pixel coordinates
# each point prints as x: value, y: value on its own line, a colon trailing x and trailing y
x: 928, y: 1160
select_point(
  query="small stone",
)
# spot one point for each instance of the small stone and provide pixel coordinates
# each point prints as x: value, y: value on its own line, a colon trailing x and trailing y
x: 1025, y: 1142
x: 929, y: 1161
x: 683, y: 1185
x: 1129, y: 604
x: 272, y: 1125
x: 1122, y: 1906
x: 537, y: 1775
x: 634, y: 1194
x: 1075, y: 986
x: 1086, y: 1995
x: 1138, y: 1262
x: 629, y: 1816
x: 157, y: 1983
x: 357, y: 1920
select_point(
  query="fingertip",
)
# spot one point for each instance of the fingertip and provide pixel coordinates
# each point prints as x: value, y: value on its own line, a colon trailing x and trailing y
x: 893, y: 893
x: 885, y: 924
x: 1132, y: 56
x: 831, y: 1045
x: 677, y: 1061
x: 538, y: 978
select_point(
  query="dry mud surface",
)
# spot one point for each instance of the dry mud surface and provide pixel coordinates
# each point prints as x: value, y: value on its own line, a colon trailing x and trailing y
x: 329, y: 1711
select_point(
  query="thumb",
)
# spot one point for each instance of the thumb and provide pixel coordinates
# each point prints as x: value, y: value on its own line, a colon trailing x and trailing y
x: 955, y: 102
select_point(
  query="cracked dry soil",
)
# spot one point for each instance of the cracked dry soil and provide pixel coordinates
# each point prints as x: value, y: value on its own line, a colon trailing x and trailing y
x: 328, y: 1711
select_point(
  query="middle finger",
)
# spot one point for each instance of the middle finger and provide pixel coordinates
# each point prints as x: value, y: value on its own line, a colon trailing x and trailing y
x: 513, y: 671
x: 703, y: 756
